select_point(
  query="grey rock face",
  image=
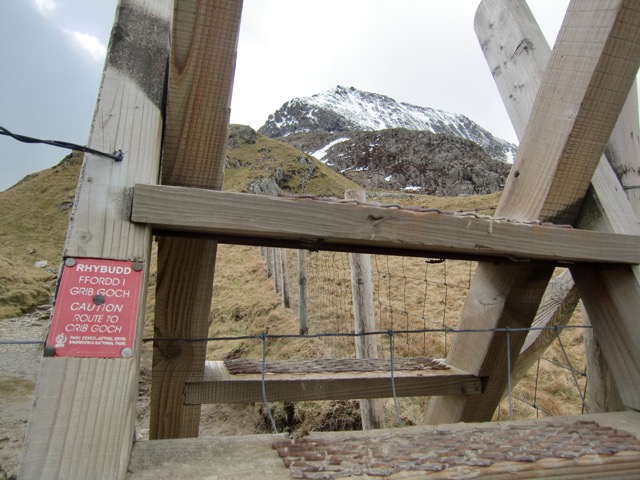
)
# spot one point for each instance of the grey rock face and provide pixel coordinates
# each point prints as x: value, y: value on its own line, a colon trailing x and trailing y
x: 383, y: 144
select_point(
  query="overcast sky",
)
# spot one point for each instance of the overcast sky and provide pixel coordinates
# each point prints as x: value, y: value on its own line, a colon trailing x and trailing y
x: 422, y: 52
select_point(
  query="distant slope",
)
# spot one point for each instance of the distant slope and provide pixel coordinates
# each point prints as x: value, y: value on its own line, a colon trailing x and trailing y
x: 257, y: 164
x: 34, y: 213
x: 408, y: 160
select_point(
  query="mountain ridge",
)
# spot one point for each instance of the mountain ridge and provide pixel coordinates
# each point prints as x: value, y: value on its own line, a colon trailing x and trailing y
x: 379, y: 143
x: 343, y: 109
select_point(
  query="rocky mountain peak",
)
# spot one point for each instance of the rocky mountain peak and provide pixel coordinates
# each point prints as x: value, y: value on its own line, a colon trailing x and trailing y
x: 343, y: 109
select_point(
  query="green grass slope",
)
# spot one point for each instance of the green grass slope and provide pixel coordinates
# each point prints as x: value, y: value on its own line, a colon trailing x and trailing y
x: 34, y: 215
x: 35, y: 212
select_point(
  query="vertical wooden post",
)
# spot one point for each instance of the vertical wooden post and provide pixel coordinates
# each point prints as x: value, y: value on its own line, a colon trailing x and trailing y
x: 302, y: 292
x: 83, y: 419
x: 286, y: 297
x: 277, y: 271
x: 371, y: 410
x: 269, y: 259
x: 202, y: 64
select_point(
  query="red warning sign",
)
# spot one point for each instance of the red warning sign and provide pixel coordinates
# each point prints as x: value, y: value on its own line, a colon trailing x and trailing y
x: 96, y: 309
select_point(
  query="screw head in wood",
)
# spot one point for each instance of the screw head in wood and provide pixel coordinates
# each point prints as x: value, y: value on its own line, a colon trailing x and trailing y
x: 70, y: 262
x: 126, y: 352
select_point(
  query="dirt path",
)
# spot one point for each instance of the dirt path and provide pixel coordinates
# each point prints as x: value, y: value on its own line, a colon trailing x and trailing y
x: 18, y: 372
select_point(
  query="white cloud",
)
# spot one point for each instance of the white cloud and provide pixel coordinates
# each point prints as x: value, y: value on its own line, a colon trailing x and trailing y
x: 45, y: 6
x: 88, y: 43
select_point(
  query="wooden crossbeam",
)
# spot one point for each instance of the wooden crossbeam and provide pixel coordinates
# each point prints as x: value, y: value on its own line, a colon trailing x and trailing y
x: 253, y: 219
x: 202, y: 63
x: 586, y: 82
x: 82, y: 423
x: 219, y: 386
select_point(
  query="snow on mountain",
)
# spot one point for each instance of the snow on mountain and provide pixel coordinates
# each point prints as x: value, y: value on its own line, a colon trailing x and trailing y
x: 344, y: 109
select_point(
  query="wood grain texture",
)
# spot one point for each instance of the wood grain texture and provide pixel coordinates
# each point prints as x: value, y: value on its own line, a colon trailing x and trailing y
x: 127, y: 118
x: 623, y: 151
x: 585, y: 84
x: 221, y: 387
x: 606, y: 208
x: 82, y: 428
x: 228, y: 457
x: 82, y: 422
x: 323, y: 226
x: 372, y: 411
x: 556, y: 309
x: 517, y: 54
x: 611, y: 299
x: 202, y: 64
x: 302, y: 292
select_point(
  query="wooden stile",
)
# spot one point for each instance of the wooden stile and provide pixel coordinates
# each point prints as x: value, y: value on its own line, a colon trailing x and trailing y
x: 317, y: 225
x: 587, y: 80
x: 201, y: 70
x: 606, y: 207
x: 83, y: 418
x: 82, y: 422
x: 517, y: 54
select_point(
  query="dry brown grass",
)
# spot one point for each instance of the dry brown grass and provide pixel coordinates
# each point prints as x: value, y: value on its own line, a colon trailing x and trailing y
x: 410, y: 294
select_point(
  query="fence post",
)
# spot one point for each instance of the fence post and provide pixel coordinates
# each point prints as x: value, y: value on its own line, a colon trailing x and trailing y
x: 275, y: 268
x: 286, y: 299
x: 371, y: 410
x: 302, y: 291
x: 268, y: 256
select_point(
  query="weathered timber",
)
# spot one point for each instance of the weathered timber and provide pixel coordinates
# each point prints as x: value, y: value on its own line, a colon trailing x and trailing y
x: 556, y: 309
x: 612, y: 300
x: 587, y: 80
x: 585, y: 85
x: 623, y: 151
x: 269, y: 260
x: 286, y: 296
x: 82, y: 422
x: 413, y: 446
x: 252, y: 219
x: 302, y: 292
x: 219, y: 386
x: 275, y: 263
x: 201, y: 68
x: 517, y: 54
x: 372, y: 411
x: 610, y: 212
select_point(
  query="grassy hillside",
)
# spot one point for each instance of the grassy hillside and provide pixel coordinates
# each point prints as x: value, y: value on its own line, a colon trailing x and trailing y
x: 256, y: 160
x: 34, y: 213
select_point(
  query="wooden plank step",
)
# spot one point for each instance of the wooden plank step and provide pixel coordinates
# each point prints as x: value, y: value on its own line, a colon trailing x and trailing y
x: 587, y: 446
x: 324, y: 379
x: 320, y: 225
